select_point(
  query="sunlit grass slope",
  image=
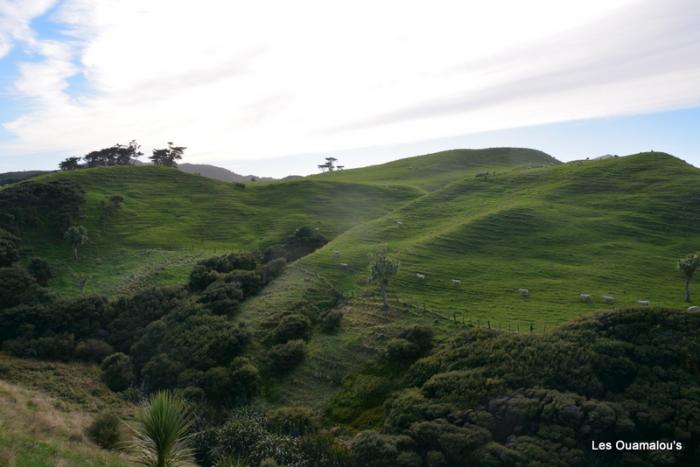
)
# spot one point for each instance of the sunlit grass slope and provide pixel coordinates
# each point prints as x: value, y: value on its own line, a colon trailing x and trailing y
x: 170, y: 218
x: 612, y: 227
x: 432, y: 171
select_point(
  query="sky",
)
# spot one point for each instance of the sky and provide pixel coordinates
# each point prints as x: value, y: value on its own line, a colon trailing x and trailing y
x: 270, y: 87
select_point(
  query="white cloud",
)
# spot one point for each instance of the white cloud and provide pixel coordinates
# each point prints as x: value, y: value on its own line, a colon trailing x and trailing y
x: 15, y: 16
x: 242, y: 80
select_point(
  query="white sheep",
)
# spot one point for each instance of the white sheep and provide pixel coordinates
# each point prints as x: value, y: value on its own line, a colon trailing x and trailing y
x: 344, y: 265
x: 694, y: 308
x: 524, y: 292
x: 420, y: 276
x: 399, y: 222
x: 456, y: 282
x: 643, y: 302
x: 584, y: 297
x: 608, y: 299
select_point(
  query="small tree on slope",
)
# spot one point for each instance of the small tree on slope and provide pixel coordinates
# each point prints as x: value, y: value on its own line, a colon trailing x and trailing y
x: 687, y: 266
x: 77, y: 236
x: 381, y: 270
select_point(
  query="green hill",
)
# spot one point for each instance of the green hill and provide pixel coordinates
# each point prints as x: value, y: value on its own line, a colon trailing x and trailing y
x: 432, y: 171
x: 609, y: 227
x: 168, y: 219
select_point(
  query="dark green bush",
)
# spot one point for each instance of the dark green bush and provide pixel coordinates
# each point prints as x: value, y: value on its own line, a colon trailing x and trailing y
x: 117, y: 371
x: 401, y: 350
x: 273, y: 269
x: 294, y: 421
x: 9, y: 248
x: 93, y: 350
x: 161, y: 372
x: 222, y: 298
x: 292, y: 326
x: 19, y: 288
x: 40, y: 270
x: 285, y: 357
x: 105, y: 430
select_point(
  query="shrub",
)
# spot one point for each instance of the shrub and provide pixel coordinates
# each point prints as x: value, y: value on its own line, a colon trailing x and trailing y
x: 93, y: 350
x: 294, y: 421
x: 161, y: 372
x: 9, y: 248
x: 292, y: 326
x: 421, y: 336
x: 105, y: 430
x: 273, y: 269
x: 401, y: 350
x: 40, y: 270
x: 19, y: 287
x: 201, y: 277
x: 372, y: 449
x: 222, y: 298
x: 245, y: 379
x: 331, y: 321
x: 285, y: 357
x: 117, y: 371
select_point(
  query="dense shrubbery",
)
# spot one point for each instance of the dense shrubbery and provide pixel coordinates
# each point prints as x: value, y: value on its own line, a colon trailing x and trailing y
x: 9, y: 248
x: 295, y: 421
x: 40, y: 270
x: 117, y: 371
x: 489, y: 398
x: 57, y: 204
x: 256, y: 438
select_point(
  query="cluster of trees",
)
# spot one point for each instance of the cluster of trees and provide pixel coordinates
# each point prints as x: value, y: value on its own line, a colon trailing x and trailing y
x: 162, y: 338
x: 124, y: 154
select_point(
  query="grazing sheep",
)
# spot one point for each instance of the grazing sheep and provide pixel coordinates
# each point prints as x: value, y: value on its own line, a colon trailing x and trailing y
x: 643, y: 302
x: 608, y: 299
x: 524, y: 292
x: 420, y: 276
x: 456, y: 282
x: 344, y: 265
x: 399, y: 222
x: 694, y: 308
x: 584, y: 297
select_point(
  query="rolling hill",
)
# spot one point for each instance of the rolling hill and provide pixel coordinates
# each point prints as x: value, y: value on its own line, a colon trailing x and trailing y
x: 220, y: 173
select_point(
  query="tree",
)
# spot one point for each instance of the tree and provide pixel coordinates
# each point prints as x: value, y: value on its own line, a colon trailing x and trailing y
x: 688, y: 266
x: 71, y: 163
x: 162, y: 433
x: 329, y: 164
x: 127, y: 154
x: 77, y: 236
x: 168, y: 156
x: 117, y: 371
x: 381, y: 270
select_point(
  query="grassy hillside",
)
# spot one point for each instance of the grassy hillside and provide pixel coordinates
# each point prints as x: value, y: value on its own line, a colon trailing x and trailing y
x: 168, y: 219
x: 44, y: 409
x: 432, y: 171
x: 599, y: 227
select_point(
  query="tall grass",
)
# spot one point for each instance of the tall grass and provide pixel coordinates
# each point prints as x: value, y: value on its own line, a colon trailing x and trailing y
x: 162, y: 433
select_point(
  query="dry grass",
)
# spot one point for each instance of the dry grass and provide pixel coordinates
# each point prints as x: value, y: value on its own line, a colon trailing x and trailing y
x: 37, y: 430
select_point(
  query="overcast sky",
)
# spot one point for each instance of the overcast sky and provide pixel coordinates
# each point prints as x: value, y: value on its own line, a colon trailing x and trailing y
x: 271, y: 85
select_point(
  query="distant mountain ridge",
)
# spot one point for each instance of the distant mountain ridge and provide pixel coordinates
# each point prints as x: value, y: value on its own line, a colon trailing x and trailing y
x: 220, y: 173
x: 11, y: 177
